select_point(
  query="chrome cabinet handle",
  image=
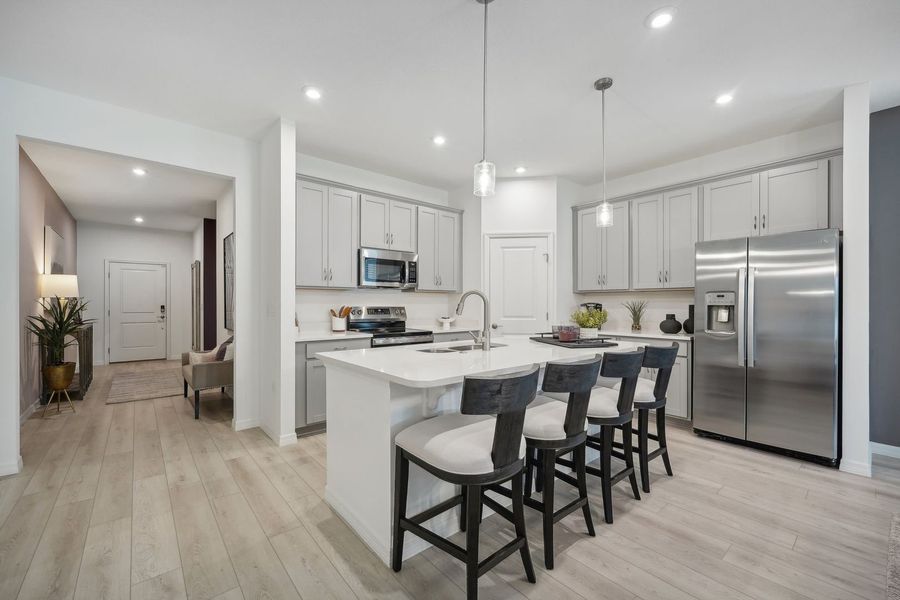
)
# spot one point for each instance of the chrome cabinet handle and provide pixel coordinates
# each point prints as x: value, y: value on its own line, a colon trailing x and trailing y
x: 387, y: 239
x: 754, y: 222
x: 764, y: 221
x: 659, y: 277
x: 599, y: 281
x: 330, y: 274
x: 324, y: 274
x: 440, y: 280
x: 667, y: 276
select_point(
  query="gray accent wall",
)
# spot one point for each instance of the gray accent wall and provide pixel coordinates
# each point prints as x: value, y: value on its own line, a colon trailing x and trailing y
x: 884, y: 276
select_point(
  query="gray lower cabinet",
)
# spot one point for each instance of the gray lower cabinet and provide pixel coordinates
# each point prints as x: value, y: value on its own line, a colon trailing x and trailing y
x: 309, y: 390
x: 679, y: 394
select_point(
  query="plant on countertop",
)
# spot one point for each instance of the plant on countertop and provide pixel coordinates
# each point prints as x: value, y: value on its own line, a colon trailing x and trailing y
x: 61, y: 319
x: 590, y: 318
x: 637, y: 309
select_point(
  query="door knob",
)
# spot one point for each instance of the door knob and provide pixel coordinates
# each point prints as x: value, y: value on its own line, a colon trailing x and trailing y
x: 494, y: 326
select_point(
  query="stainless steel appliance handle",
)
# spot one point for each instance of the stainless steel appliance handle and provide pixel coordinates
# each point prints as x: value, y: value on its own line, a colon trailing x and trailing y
x: 739, y: 317
x: 751, y: 319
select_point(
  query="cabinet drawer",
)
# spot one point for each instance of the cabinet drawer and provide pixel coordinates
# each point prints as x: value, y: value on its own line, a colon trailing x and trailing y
x: 312, y: 348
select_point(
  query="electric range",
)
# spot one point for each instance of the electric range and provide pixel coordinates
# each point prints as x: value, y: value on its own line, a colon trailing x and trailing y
x: 387, y: 324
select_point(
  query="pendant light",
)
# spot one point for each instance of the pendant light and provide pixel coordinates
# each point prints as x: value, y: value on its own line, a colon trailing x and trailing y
x: 485, y: 171
x: 604, y: 210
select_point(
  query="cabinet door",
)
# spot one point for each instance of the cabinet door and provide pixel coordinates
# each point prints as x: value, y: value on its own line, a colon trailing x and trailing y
x: 680, y: 234
x: 647, y: 242
x: 448, y: 250
x: 428, y: 249
x: 794, y: 198
x: 677, y: 393
x: 315, y: 391
x: 374, y: 219
x: 587, y: 252
x: 342, y: 255
x: 731, y: 208
x: 312, y: 223
x: 402, y: 228
x: 615, y: 248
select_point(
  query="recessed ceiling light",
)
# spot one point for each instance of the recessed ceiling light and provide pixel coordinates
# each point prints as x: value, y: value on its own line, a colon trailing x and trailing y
x: 139, y: 171
x: 723, y: 99
x: 661, y: 17
x: 313, y: 93
x: 139, y: 219
x: 439, y: 140
x: 520, y: 170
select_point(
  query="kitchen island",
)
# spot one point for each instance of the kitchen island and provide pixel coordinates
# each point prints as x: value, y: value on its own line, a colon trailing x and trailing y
x: 374, y: 393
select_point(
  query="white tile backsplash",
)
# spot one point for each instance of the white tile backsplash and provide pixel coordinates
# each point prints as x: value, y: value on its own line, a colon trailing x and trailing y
x: 660, y: 304
x: 421, y: 307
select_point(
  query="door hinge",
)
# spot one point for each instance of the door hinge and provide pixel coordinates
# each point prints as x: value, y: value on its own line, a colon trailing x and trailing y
x: 548, y: 316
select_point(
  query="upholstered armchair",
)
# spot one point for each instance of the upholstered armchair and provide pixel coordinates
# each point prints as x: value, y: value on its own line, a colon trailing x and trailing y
x: 201, y: 371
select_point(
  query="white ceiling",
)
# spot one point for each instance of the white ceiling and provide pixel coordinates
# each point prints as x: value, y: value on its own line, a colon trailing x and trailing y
x: 395, y: 72
x: 100, y: 187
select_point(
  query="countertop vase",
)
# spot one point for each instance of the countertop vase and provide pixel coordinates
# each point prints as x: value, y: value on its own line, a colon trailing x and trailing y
x: 670, y: 325
x: 689, y: 322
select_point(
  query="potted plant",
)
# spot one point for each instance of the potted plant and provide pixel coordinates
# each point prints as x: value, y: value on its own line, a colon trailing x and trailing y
x: 636, y: 309
x: 590, y: 320
x: 54, y: 329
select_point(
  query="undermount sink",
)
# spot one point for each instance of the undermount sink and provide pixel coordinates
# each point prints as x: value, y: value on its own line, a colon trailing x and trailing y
x: 435, y: 350
x: 468, y: 347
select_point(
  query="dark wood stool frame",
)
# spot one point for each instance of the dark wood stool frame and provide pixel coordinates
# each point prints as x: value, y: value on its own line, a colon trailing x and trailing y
x: 503, y: 396
x: 661, y: 358
x: 577, y: 379
x: 627, y: 367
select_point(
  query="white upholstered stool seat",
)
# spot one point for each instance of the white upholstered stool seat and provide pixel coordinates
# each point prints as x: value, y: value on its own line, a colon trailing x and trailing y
x: 455, y: 443
x: 643, y: 392
x: 604, y: 403
x: 608, y: 382
x: 545, y: 418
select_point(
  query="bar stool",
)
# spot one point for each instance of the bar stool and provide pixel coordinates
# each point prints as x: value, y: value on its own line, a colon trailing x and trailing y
x: 553, y: 429
x: 474, y: 450
x: 650, y: 395
x: 610, y: 408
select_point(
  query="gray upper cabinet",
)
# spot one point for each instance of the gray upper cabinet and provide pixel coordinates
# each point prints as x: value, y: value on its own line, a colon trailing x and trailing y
x: 782, y: 200
x: 731, y: 208
x: 794, y: 198
x: 680, y: 229
x: 439, y: 249
x: 602, y: 253
x: 387, y: 224
x: 326, y: 240
x: 647, y: 242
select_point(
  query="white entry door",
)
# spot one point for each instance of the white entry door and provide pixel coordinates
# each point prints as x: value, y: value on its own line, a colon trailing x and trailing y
x: 137, y: 311
x: 518, y: 278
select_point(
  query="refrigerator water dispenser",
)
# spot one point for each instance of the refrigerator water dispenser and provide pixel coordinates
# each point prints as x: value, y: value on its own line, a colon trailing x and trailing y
x: 720, y: 312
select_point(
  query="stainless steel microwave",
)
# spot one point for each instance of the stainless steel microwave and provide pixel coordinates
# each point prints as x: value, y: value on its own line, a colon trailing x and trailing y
x: 387, y: 269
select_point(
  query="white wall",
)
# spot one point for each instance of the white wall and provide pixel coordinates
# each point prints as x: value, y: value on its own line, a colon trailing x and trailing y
x: 463, y: 199
x: 423, y: 308
x: 44, y: 114
x: 855, y: 355
x: 98, y: 242
x: 325, y: 169
x: 277, y: 176
x: 521, y: 205
x: 224, y: 227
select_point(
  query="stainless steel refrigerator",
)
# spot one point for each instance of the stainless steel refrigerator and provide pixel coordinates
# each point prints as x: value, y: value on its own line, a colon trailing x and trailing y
x: 767, y: 342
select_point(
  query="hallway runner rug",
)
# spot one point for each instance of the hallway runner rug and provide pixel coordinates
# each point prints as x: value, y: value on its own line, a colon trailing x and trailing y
x: 159, y: 383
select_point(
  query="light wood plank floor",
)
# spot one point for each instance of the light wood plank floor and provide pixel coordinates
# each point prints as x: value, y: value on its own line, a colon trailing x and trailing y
x: 139, y: 500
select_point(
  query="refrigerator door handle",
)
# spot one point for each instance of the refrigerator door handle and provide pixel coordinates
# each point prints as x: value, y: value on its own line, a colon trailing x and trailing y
x: 751, y: 325
x: 739, y: 317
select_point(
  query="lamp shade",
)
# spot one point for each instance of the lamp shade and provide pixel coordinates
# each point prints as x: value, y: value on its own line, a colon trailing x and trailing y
x: 64, y: 286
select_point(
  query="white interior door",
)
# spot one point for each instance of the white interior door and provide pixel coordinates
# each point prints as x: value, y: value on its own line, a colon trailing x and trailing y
x: 519, y: 284
x: 137, y: 311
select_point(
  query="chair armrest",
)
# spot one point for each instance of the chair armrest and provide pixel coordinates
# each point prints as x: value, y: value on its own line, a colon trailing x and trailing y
x: 185, y: 358
x: 212, y: 374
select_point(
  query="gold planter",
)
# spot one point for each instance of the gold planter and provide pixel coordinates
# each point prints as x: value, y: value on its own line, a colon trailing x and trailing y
x: 59, y: 377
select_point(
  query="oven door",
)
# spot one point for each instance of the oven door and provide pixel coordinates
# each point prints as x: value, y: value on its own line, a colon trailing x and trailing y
x: 386, y: 269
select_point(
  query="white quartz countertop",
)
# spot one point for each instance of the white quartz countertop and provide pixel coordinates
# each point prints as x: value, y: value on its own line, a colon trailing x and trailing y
x: 323, y: 334
x: 654, y: 335
x: 408, y: 366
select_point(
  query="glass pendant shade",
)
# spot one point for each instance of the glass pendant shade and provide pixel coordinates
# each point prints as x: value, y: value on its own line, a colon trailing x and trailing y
x: 604, y: 215
x: 485, y: 179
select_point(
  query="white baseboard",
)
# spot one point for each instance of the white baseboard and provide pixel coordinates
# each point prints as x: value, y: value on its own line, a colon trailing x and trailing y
x: 29, y: 411
x: 288, y: 439
x: 11, y: 468
x: 245, y: 424
x: 856, y: 467
x: 884, y: 450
